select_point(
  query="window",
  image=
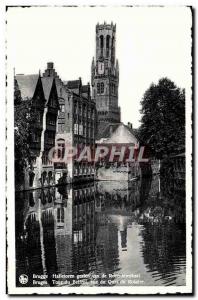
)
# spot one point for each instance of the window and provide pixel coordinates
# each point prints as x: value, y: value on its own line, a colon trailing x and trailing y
x: 101, y: 41
x: 107, y: 41
x: 62, y: 107
x: 68, y: 115
x: 113, y: 50
x: 102, y: 88
x: 112, y: 88
x: 98, y: 88
x: 101, y: 45
x: 84, y: 131
x: 50, y: 137
x: 61, y: 148
x: 81, y: 129
x: 75, y: 128
x: 60, y: 214
x: 78, y: 236
x: 107, y: 45
x: 52, y: 120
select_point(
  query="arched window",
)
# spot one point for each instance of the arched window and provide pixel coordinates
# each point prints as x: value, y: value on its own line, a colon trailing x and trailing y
x: 98, y: 88
x: 107, y: 45
x: 61, y: 148
x: 31, y: 178
x: 102, y: 88
x: 101, y: 45
x: 101, y: 41
x: 112, y: 50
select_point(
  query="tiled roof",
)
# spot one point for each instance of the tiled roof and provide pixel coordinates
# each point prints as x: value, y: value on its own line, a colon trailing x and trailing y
x: 73, y: 84
x: 27, y: 85
x: 47, y: 85
x: 85, y: 88
x: 109, y: 129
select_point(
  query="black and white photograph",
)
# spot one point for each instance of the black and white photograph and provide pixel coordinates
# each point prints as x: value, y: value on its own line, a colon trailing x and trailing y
x: 99, y: 149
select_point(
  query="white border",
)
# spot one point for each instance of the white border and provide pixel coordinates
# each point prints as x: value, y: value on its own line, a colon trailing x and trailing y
x: 10, y: 190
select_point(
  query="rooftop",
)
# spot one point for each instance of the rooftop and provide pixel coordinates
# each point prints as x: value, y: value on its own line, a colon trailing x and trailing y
x: 27, y: 85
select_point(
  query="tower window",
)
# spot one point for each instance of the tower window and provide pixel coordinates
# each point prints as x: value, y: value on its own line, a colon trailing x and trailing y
x: 101, y: 45
x: 107, y: 45
x: 101, y: 41
x: 102, y: 88
x: 107, y: 41
x: 98, y: 88
x: 112, y: 88
x: 113, y: 50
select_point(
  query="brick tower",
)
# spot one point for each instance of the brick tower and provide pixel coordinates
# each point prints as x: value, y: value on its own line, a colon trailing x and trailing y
x: 105, y: 76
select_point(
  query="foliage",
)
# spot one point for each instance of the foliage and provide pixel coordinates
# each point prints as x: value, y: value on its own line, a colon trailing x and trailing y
x: 163, y: 118
x: 22, y: 122
x: 17, y: 94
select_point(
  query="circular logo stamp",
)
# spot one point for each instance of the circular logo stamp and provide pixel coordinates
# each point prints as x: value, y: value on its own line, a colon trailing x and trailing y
x: 23, y: 279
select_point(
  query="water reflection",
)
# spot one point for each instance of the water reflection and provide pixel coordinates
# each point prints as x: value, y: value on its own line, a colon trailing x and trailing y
x: 102, y: 228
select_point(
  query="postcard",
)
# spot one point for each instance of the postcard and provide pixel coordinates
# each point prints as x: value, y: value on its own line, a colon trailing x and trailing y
x: 99, y: 149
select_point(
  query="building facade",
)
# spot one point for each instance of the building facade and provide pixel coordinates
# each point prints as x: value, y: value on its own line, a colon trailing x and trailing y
x: 76, y: 127
x: 105, y: 76
x: 43, y: 105
x: 118, y: 135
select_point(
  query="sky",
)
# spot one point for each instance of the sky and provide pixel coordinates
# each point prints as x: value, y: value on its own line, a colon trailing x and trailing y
x: 151, y: 43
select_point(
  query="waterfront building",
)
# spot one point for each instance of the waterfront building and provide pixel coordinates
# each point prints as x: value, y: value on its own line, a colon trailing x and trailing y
x: 76, y: 126
x: 118, y: 135
x: 43, y: 104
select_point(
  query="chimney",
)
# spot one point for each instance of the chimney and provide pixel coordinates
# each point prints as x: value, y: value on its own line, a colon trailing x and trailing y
x: 130, y: 125
x: 50, y: 65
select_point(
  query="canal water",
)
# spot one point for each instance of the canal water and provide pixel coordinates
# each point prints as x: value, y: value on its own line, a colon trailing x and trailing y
x: 102, y: 233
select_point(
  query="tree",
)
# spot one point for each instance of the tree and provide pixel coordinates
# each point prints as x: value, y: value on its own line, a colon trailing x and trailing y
x: 163, y: 118
x: 22, y: 131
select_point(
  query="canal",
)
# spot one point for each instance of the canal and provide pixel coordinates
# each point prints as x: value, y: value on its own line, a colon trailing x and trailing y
x: 102, y: 233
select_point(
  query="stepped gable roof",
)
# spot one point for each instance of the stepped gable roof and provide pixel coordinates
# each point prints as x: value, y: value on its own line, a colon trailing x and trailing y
x: 47, y: 86
x: 27, y: 85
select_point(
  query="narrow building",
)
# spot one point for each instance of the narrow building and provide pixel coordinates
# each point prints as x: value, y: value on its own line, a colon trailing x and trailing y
x: 76, y: 127
x: 42, y: 103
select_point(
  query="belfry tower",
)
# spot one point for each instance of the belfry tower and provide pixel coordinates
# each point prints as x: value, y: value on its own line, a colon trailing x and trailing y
x: 105, y: 76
